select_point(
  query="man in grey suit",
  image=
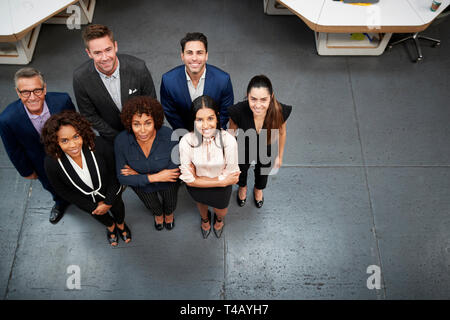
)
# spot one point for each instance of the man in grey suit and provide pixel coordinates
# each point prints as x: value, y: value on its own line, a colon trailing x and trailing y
x: 104, y: 83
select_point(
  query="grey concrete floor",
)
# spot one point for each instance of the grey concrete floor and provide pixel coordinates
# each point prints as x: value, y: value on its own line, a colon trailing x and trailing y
x: 365, y: 179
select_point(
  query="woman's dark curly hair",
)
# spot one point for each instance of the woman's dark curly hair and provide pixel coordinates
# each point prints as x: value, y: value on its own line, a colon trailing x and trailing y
x: 140, y: 105
x: 49, y: 136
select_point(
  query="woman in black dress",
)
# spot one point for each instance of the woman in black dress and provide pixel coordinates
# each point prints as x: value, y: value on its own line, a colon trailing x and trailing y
x: 263, y: 121
x: 81, y: 168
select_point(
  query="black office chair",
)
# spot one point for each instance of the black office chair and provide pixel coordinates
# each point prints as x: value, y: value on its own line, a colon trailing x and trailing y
x: 416, y: 36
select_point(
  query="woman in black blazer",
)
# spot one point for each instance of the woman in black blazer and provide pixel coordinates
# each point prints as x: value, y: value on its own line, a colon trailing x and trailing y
x: 81, y: 168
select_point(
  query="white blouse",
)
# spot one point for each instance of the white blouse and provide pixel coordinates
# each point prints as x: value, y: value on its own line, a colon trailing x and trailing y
x: 83, y: 173
x: 208, y: 157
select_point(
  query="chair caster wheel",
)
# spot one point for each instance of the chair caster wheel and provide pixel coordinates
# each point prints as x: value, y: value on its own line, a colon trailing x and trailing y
x: 418, y: 59
x: 436, y: 45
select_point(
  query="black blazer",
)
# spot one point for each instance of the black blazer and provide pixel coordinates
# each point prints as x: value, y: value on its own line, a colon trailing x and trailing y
x: 106, y: 184
x: 94, y: 101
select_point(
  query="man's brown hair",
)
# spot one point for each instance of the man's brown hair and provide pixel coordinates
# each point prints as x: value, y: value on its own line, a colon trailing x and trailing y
x: 96, y: 31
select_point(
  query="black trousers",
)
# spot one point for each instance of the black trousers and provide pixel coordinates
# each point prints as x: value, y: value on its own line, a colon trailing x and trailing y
x: 117, y: 213
x: 260, y: 179
x: 154, y: 204
x: 261, y: 170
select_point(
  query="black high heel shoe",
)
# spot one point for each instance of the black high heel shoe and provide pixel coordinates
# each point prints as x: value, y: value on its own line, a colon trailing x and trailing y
x: 127, y: 232
x: 159, y: 226
x: 169, y: 225
x: 240, y: 202
x: 258, y: 203
x: 218, y: 232
x: 112, y: 240
x: 205, y: 233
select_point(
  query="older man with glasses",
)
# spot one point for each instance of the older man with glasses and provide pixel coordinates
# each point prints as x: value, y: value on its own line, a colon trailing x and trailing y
x: 20, y: 128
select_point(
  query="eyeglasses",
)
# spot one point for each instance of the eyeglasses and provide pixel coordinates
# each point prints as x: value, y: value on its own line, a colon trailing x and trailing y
x: 27, y: 93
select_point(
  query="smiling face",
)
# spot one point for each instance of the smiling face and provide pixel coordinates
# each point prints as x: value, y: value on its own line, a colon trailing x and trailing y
x: 194, y: 57
x: 35, y: 101
x: 70, y: 141
x: 143, y: 127
x: 103, y: 52
x: 259, y: 101
x: 206, y: 122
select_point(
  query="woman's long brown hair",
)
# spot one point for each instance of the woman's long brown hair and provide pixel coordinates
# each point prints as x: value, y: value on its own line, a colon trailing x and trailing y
x: 274, y: 116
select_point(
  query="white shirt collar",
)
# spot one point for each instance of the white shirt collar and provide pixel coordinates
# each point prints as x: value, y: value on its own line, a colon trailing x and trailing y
x: 115, y: 75
x: 74, y: 164
x: 188, y: 78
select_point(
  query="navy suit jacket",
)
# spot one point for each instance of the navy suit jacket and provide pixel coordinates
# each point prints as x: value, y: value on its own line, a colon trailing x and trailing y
x: 20, y: 138
x: 177, y: 102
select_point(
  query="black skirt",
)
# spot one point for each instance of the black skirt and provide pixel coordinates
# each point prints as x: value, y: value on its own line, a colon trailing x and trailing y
x: 218, y: 197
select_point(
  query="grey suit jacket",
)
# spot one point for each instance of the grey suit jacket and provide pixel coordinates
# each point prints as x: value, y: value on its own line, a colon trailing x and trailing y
x: 94, y: 100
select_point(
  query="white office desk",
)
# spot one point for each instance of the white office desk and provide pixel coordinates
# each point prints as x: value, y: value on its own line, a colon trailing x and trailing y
x: 18, y: 17
x: 422, y: 8
x: 402, y: 16
x: 327, y: 17
x: 20, y: 22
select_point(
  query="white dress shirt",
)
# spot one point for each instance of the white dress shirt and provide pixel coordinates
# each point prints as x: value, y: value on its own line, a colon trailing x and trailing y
x: 193, y: 91
x: 83, y: 173
x: 112, y: 84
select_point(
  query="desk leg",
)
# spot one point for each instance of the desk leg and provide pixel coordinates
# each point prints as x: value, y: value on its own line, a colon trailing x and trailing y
x: 86, y: 9
x: 346, y: 47
x: 273, y: 7
x: 20, y: 52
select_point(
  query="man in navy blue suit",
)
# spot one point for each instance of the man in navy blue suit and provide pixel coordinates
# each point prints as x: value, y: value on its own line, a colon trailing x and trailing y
x: 181, y: 85
x: 21, y: 124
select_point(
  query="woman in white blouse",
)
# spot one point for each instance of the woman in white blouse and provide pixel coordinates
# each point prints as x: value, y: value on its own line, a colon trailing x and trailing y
x: 209, y: 164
